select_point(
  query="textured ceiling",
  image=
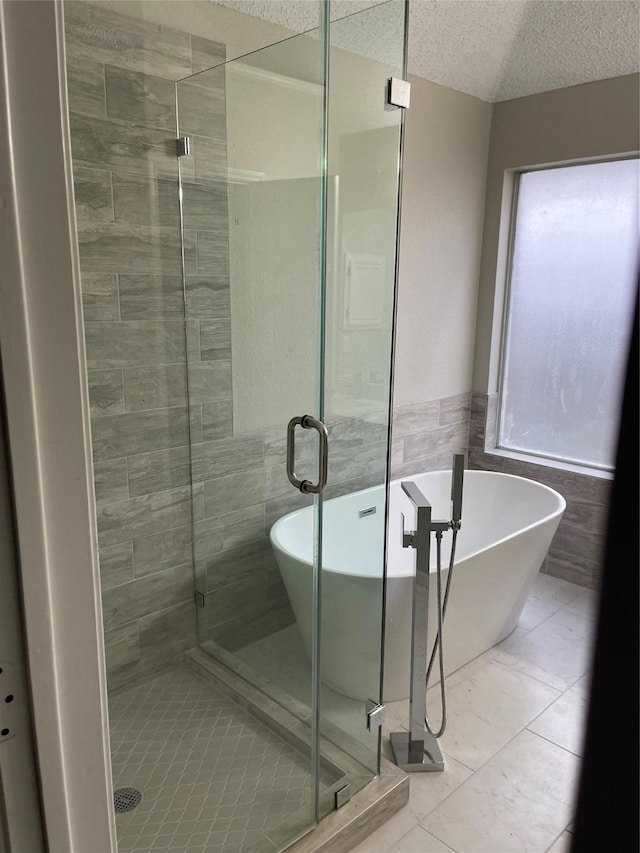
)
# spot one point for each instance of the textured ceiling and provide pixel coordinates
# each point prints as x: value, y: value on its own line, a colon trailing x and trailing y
x: 493, y: 49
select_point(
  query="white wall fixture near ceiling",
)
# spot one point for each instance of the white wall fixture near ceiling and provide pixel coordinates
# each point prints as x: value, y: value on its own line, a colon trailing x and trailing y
x: 494, y: 49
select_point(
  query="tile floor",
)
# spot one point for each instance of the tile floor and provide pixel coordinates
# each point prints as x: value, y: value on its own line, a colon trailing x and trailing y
x: 513, y: 741
x: 213, y: 777
x: 216, y: 779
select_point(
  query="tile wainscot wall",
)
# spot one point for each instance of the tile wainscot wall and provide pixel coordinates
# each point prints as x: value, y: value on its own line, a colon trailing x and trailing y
x: 577, y: 549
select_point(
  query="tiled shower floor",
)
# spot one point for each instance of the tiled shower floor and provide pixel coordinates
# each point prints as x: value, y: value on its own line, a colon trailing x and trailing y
x: 212, y: 776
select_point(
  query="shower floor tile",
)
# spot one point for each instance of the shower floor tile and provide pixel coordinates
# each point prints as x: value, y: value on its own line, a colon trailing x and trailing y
x: 212, y: 776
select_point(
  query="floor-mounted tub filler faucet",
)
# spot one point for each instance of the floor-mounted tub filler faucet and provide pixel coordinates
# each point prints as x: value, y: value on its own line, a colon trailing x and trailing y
x: 417, y: 749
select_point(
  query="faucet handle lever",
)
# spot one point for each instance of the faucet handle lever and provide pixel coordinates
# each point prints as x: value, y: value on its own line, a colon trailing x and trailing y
x: 408, y: 536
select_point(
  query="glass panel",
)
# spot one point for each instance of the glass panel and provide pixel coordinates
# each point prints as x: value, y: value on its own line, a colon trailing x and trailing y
x: 269, y: 337
x: 252, y: 228
x: 573, y: 287
x: 366, y: 49
x: 122, y: 124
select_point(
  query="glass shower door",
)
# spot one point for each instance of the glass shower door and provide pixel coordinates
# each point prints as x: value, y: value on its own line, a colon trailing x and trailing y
x: 289, y: 217
x: 252, y: 219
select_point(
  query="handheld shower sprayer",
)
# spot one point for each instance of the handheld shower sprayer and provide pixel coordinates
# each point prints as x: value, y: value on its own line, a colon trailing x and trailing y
x: 457, y: 479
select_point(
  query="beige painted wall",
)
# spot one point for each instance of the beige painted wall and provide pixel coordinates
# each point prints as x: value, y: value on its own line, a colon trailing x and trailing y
x: 274, y: 143
x: 273, y: 135
x: 446, y: 150
x: 273, y: 253
x: 593, y: 120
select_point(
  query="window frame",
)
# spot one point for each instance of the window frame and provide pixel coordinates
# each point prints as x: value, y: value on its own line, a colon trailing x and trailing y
x: 512, y: 179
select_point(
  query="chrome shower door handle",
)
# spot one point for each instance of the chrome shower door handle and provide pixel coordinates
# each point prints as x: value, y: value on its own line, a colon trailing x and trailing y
x: 291, y: 453
x: 306, y: 486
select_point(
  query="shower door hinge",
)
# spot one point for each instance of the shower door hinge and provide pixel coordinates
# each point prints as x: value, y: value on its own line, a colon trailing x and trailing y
x: 199, y: 597
x: 398, y: 94
x: 342, y: 796
x: 184, y: 146
x: 375, y: 714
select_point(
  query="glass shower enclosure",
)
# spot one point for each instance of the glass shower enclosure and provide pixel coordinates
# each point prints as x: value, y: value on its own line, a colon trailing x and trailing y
x: 289, y: 180
x: 238, y: 299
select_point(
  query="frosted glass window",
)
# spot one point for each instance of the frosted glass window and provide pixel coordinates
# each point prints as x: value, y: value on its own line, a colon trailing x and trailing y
x: 571, y: 301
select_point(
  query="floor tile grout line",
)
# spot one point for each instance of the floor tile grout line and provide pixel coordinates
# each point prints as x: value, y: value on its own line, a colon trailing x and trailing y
x: 553, y: 743
x: 561, y: 690
x: 546, y: 618
x: 560, y: 609
x: 435, y: 835
x: 391, y: 847
x: 546, y: 683
x: 555, y: 840
x: 557, y: 699
x: 549, y: 599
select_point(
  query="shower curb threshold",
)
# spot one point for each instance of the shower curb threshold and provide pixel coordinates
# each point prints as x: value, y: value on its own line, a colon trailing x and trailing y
x: 370, y: 807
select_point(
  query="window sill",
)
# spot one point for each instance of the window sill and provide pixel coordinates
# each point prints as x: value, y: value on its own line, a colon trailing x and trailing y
x: 551, y: 463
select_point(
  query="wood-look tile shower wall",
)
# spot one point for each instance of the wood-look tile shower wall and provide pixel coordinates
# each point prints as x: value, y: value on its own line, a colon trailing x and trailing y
x: 121, y: 83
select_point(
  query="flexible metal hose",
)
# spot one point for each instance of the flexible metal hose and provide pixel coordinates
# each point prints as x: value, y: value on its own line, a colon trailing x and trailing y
x: 438, y: 645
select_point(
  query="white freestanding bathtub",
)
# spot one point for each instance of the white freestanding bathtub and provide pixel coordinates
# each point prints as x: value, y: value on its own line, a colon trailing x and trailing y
x: 508, y: 523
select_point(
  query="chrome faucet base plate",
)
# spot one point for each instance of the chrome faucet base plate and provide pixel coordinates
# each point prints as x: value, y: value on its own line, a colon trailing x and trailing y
x: 427, y: 758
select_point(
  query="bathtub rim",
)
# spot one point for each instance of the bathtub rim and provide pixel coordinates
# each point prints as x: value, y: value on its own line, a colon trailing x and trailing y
x: 492, y: 474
